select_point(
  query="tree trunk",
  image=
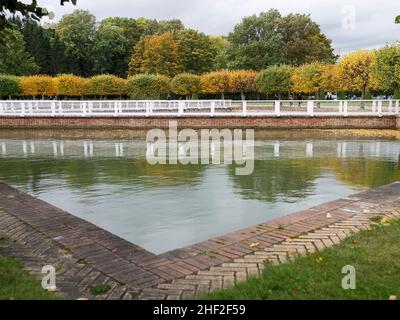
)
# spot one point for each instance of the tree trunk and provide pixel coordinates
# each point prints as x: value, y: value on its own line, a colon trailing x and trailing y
x: 243, y: 97
x: 364, y: 89
x: 222, y: 96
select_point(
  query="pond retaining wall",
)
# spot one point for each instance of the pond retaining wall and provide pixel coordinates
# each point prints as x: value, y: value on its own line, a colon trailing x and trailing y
x: 256, y: 122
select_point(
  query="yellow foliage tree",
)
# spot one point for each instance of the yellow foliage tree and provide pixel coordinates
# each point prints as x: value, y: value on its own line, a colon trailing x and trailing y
x: 314, y: 78
x: 243, y: 81
x: 158, y: 54
x: 70, y: 85
x: 355, y: 71
x: 35, y: 86
x: 215, y: 83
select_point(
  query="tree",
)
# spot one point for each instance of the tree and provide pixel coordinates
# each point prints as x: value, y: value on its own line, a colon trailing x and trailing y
x: 109, y: 50
x: 196, y: 51
x: 107, y: 85
x: 243, y: 81
x: 216, y: 82
x: 185, y: 84
x: 308, y: 79
x: 275, y: 80
x: 13, y: 57
x: 386, y: 69
x: 35, y: 86
x: 29, y: 11
x: 220, y: 44
x: 70, y: 85
x: 303, y: 41
x: 77, y: 31
x: 9, y: 86
x: 156, y: 55
x: 173, y: 26
x: 355, y: 71
x: 256, y: 43
x: 148, y: 86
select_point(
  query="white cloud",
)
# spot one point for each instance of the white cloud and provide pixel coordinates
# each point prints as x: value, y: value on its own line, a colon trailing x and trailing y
x: 374, y: 19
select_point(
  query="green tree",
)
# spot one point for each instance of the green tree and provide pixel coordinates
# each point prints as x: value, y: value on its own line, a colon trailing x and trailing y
x: 27, y: 10
x: 9, y: 86
x: 220, y: 44
x: 185, y: 84
x: 14, y: 59
x: 156, y: 55
x: 196, y: 51
x: 148, y: 86
x: 255, y: 43
x: 303, y: 41
x: 172, y: 26
x: 77, y: 31
x: 387, y: 68
x: 110, y: 50
x: 275, y: 80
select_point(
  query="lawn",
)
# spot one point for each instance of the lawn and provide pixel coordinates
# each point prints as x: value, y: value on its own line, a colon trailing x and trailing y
x: 375, y: 254
x: 18, y: 284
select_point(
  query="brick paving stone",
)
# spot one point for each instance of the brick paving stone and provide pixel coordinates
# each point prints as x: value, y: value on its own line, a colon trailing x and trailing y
x: 85, y: 254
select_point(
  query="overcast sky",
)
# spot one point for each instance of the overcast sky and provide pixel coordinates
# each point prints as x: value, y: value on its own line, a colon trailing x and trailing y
x: 351, y: 24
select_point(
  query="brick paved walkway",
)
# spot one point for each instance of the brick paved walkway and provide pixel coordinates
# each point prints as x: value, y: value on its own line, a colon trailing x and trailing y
x: 86, y: 255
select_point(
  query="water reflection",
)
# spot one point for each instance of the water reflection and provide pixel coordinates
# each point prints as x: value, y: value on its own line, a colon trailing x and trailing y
x: 162, y: 207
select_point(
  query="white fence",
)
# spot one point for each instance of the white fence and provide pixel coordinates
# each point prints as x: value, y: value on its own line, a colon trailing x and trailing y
x: 190, y: 108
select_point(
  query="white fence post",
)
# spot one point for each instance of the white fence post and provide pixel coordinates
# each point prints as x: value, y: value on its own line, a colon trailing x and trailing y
x: 180, y: 108
x: 310, y: 108
x: 374, y: 107
x: 22, y: 109
x: 340, y: 107
x: 1, y: 108
x: 345, y: 107
x: 212, y: 108
x: 278, y: 108
x: 115, y: 108
x: 244, y: 108
x: 53, y: 108
x: 83, y: 109
x: 380, y: 108
x: 390, y: 106
x: 397, y: 107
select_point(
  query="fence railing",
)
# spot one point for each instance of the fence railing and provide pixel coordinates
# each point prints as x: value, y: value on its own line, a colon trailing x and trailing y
x: 189, y: 108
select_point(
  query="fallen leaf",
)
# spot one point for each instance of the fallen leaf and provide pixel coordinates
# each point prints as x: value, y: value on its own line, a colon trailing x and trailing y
x: 254, y: 244
x: 354, y: 241
x: 293, y: 292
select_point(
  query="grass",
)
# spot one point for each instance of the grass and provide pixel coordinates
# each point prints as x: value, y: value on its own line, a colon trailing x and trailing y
x: 17, y: 284
x: 100, y: 289
x: 375, y: 254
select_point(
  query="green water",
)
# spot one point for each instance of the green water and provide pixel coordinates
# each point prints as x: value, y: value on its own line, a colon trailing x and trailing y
x: 163, y: 207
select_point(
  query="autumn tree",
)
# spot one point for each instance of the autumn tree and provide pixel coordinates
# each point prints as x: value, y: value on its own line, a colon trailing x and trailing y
x: 156, y: 55
x: 355, y: 71
x: 308, y: 79
x: 196, y: 51
x: 70, y: 85
x: 216, y: 82
x: 185, y: 84
x: 38, y: 86
x: 243, y: 81
x: 220, y: 44
x: 275, y: 80
x: 149, y: 86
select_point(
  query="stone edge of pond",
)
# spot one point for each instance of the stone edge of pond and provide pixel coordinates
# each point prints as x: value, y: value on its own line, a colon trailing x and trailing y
x: 85, y: 255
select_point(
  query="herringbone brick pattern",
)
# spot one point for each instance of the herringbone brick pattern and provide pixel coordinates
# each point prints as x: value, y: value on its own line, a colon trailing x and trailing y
x: 85, y: 255
x: 228, y: 274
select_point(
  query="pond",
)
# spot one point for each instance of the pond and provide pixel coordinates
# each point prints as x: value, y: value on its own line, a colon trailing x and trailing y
x: 163, y: 207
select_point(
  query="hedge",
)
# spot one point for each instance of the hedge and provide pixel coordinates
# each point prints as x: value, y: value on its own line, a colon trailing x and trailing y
x: 9, y: 86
